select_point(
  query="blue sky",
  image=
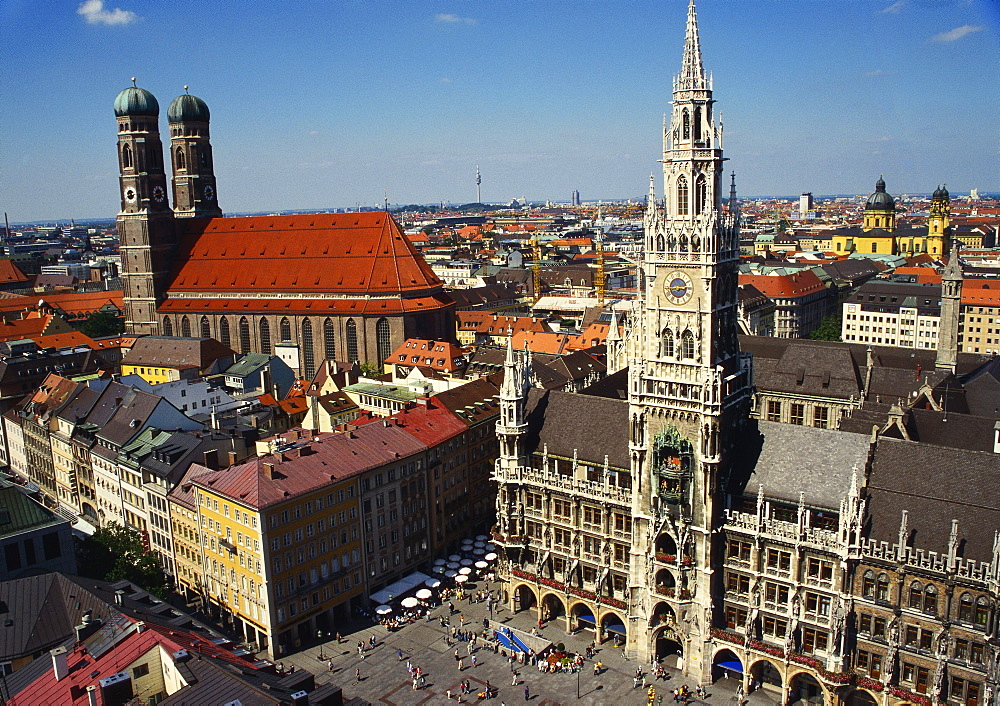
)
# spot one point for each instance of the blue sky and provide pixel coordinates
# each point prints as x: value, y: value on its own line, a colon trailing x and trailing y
x: 321, y: 104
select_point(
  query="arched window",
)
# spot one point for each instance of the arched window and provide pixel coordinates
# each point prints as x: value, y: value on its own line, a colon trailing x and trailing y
x: 965, y: 608
x: 383, y: 340
x: 308, y: 359
x: 868, y: 584
x: 127, y: 157
x: 697, y: 123
x: 224, y: 337
x: 916, y: 595
x: 168, y: 326
x: 329, y: 341
x: 686, y: 125
x: 667, y: 343
x: 882, y: 588
x: 687, y: 345
x: 930, y: 600
x: 659, y: 242
x: 265, y: 336
x: 684, y: 243
x: 352, y: 341
x: 179, y: 159
x: 982, y: 611
x: 285, y: 328
x: 682, y: 195
x: 244, y: 335
x: 699, y: 195
x: 206, y: 330
x: 185, y: 327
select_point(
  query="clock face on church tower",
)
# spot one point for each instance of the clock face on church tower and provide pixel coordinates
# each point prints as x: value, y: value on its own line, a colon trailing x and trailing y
x: 677, y: 287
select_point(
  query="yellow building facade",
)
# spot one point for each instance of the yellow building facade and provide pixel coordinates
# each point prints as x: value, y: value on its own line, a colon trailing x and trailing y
x: 879, y: 234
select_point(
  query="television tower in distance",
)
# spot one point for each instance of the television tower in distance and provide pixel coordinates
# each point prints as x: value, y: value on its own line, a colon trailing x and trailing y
x: 479, y: 188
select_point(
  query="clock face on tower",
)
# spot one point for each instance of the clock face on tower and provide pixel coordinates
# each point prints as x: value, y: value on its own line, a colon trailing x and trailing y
x: 159, y: 194
x: 677, y: 287
x: 209, y: 192
x: 130, y: 195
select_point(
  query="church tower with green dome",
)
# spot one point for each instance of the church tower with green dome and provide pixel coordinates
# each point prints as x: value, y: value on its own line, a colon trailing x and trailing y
x: 194, y: 187
x: 146, y: 228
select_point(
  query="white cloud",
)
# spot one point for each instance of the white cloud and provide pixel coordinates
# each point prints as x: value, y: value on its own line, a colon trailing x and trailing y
x: 877, y: 72
x: 454, y: 19
x: 895, y: 7
x: 444, y: 79
x: 93, y: 11
x: 957, y: 33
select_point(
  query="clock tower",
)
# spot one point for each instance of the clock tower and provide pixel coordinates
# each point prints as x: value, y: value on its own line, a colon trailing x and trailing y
x: 146, y: 228
x: 194, y: 189
x: 689, y: 386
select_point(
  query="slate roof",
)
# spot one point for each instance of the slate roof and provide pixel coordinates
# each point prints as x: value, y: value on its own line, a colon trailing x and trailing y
x: 936, y: 485
x: 248, y: 364
x: 23, y: 513
x: 959, y: 431
x: 475, y: 401
x: 593, y: 426
x: 176, y: 352
x: 788, y: 460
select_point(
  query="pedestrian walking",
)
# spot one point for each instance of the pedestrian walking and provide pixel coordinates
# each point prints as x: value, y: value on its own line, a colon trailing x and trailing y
x: 475, y: 662
x: 513, y: 680
x: 357, y: 675
x: 399, y: 655
x: 461, y: 664
x: 527, y: 693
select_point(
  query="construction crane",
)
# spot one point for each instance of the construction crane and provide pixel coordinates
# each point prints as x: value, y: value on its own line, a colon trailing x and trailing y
x: 600, y: 279
x: 536, y: 268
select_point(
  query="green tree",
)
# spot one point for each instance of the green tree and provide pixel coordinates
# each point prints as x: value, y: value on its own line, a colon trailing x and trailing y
x: 116, y: 552
x: 102, y: 323
x: 371, y: 370
x: 828, y: 329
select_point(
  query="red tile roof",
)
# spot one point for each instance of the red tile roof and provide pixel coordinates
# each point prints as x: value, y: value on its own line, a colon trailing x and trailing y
x: 797, y: 284
x: 73, y: 304
x: 437, y: 355
x: 9, y: 273
x: 395, y: 305
x: 342, y: 253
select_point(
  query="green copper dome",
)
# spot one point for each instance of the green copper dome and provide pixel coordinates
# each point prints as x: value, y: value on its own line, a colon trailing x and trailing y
x: 136, y: 101
x: 187, y: 108
x: 880, y: 200
x: 940, y: 193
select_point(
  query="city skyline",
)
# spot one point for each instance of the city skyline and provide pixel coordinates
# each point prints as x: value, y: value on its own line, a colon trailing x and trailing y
x: 820, y: 97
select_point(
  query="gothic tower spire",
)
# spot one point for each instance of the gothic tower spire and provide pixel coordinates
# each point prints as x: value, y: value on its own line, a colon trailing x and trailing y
x: 692, y: 74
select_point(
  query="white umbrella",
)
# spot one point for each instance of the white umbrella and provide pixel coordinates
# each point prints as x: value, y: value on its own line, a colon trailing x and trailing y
x: 440, y: 562
x: 479, y: 544
x: 479, y: 552
x: 432, y: 583
x: 453, y: 565
x: 461, y: 578
x: 410, y: 602
x: 466, y: 562
x: 481, y: 564
x: 490, y: 557
x: 438, y: 569
x: 454, y: 557
x: 450, y: 572
x: 423, y: 594
x: 490, y: 547
x: 383, y: 610
x: 465, y: 571
x: 481, y: 538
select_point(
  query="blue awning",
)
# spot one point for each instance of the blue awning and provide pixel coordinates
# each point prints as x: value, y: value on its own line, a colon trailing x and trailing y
x: 585, y: 618
x: 732, y: 666
x: 620, y: 629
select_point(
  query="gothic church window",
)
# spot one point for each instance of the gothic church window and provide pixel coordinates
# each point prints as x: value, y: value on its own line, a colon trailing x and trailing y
x: 185, y: 327
x: 352, y: 341
x: 667, y: 343
x: 687, y: 345
x: 697, y: 123
x: 181, y: 162
x: 244, y: 335
x: 265, y: 336
x: 168, y: 326
x: 309, y: 360
x: 699, y: 195
x: 682, y: 195
x: 686, y: 125
x: 329, y: 340
x: 206, y: 330
x: 285, y: 327
x: 383, y: 341
x: 224, y: 337
x: 127, y: 157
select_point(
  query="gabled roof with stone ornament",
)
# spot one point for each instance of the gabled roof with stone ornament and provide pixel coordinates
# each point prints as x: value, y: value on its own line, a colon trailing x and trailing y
x: 331, y: 253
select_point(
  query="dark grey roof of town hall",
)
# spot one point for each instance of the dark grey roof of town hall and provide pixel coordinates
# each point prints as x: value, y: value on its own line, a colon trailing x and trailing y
x: 788, y: 460
x: 592, y: 426
x: 936, y: 485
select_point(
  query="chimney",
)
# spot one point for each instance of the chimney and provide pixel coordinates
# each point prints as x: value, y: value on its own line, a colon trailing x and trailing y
x: 60, y: 662
x: 119, y: 597
x: 269, y: 470
x: 231, y: 458
x: 996, y: 438
x: 140, y: 626
x: 424, y: 401
x: 300, y: 698
x: 92, y: 696
x: 212, y: 459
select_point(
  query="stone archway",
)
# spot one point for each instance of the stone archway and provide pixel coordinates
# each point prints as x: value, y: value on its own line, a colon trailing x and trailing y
x: 803, y: 688
x: 524, y: 598
x: 860, y: 697
x: 552, y: 607
x: 665, y: 544
x: 613, y: 628
x: 582, y: 618
x: 727, y: 665
x: 765, y: 675
x: 668, y: 647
